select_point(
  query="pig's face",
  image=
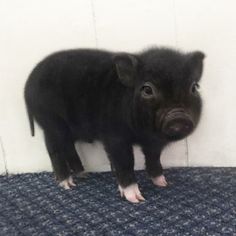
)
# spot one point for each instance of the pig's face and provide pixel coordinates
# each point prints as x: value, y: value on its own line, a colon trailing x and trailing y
x: 166, y: 97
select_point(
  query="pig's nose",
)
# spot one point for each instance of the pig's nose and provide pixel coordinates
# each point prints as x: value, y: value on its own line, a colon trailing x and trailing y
x: 177, y: 124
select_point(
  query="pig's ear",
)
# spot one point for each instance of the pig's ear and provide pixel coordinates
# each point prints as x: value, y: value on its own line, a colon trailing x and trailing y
x: 126, y: 66
x: 195, y: 65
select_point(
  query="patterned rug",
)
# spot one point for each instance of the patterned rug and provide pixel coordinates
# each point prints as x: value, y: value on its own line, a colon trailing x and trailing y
x: 198, y: 201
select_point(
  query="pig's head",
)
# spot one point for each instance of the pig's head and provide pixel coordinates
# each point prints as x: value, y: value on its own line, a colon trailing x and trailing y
x: 165, y: 86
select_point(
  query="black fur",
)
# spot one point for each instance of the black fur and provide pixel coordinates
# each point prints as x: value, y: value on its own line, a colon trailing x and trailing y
x: 120, y: 99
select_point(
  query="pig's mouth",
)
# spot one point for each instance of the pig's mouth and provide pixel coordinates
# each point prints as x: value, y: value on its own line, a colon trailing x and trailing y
x: 177, y: 124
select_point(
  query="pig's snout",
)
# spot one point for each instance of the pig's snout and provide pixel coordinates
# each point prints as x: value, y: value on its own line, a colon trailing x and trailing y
x: 177, y: 124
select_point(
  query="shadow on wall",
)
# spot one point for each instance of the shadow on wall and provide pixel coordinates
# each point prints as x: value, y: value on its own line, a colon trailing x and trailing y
x: 94, y: 157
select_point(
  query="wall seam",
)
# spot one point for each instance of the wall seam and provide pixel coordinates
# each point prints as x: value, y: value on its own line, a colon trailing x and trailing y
x: 94, y: 23
x: 175, y: 23
x: 4, y: 156
x: 187, y: 151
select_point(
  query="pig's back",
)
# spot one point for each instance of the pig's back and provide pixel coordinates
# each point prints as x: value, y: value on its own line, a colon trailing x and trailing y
x: 71, y: 67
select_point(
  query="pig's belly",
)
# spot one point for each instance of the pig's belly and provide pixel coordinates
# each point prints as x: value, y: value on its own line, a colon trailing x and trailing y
x: 85, y: 132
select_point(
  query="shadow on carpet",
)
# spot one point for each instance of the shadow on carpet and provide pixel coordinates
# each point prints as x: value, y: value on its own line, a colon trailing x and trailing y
x: 198, y: 201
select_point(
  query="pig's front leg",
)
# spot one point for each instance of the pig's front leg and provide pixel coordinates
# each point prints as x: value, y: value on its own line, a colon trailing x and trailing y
x: 153, y: 165
x: 121, y: 156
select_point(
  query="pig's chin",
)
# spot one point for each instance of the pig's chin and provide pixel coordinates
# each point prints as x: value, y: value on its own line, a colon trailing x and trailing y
x: 175, y: 137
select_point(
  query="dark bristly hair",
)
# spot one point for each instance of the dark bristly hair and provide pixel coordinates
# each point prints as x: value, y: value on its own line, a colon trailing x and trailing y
x: 117, y: 98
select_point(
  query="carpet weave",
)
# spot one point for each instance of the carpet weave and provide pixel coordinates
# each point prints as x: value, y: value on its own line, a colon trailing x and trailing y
x: 198, y: 201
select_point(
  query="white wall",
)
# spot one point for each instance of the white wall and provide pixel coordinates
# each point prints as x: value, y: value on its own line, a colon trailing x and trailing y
x: 211, y: 26
x: 32, y: 29
x: 2, y: 163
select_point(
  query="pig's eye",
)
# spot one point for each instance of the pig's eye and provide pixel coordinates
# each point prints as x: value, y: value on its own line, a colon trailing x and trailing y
x: 147, y: 91
x: 194, y: 87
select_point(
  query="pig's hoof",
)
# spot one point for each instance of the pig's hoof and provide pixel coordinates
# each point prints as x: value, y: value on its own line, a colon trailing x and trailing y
x: 67, y: 183
x: 160, y: 181
x: 131, y: 193
x: 83, y: 175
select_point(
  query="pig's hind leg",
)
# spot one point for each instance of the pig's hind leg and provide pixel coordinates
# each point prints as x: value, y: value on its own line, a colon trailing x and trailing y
x: 121, y: 156
x: 60, y: 146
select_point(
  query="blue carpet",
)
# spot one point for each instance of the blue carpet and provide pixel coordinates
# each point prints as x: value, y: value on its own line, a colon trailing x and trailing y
x: 198, y: 201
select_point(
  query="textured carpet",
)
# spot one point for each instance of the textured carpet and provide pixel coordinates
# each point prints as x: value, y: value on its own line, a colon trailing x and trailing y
x: 198, y: 201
